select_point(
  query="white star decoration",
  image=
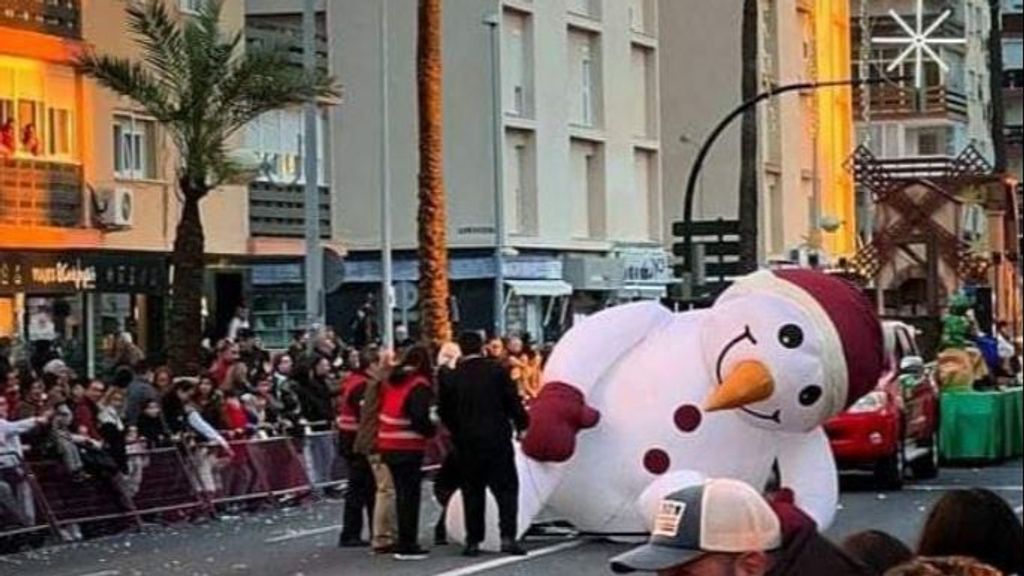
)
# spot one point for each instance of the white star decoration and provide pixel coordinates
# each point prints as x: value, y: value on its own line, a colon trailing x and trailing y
x: 919, y: 42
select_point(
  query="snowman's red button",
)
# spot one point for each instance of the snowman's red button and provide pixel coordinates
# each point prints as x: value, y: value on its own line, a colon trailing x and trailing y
x: 657, y: 461
x: 688, y: 418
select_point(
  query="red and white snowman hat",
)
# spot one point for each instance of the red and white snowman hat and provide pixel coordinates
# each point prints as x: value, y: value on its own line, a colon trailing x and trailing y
x: 854, y: 350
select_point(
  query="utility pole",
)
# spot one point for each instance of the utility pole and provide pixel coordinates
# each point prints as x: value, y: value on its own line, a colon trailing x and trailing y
x: 493, y: 21
x: 314, y: 257
x: 387, y: 281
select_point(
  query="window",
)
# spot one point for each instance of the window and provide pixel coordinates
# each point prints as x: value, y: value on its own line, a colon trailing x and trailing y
x: 517, y: 65
x: 278, y: 138
x: 583, y: 7
x: 928, y: 144
x: 645, y: 199
x: 586, y: 189
x: 519, y: 182
x: 639, y: 16
x: 643, y: 90
x: 37, y: 104
x: 134, y: 148
x: 59, y: 132
x: 585, y: 79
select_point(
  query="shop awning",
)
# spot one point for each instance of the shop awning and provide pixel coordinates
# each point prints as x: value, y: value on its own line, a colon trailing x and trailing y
x: 548, y: 288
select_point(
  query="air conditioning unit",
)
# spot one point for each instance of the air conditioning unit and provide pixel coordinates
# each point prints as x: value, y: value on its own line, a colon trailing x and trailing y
x: 116, y: 207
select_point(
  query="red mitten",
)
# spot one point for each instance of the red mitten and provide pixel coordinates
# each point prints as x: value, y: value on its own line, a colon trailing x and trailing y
x: 557, y: 416
x: 794, y: 520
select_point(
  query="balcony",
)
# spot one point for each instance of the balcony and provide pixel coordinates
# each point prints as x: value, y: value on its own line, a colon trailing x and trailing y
x: 55, y: 17
x: 896, y: 103
x: 37, y: 193
x: 279, y: 210
x: 1014, y: 135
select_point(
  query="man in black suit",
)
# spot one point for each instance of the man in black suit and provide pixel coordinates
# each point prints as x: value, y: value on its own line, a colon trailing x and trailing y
x: 480, y: 405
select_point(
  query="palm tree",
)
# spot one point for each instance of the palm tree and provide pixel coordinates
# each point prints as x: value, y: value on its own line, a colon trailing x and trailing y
x: 433, y: 226
x: 749, y: 186
x: 202, y: 87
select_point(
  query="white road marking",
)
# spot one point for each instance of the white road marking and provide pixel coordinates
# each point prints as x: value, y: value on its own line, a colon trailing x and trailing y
x: 1019, y: 510
x: 965, y: 487
x: 511, y: 560
x: 302, y: 534
x: 104, y: 573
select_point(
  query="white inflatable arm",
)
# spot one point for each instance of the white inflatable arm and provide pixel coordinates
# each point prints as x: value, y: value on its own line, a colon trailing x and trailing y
x: 594, y: 346
x: 808, y: 468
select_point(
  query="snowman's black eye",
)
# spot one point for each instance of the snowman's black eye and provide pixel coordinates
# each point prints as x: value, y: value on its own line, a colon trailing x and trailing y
x: 791, y: 336
x: 810, y: 395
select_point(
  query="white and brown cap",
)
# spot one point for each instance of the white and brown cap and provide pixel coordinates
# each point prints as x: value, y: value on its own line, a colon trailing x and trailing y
x: 719, y: 517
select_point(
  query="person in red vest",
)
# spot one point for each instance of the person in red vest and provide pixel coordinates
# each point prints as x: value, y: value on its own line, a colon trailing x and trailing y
x: 360, y: 495
x: 406, y: 425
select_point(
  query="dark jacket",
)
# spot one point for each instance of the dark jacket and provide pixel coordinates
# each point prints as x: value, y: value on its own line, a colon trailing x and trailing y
x: 317, y: 403
x: 480, y: 405
x: 140, y: 392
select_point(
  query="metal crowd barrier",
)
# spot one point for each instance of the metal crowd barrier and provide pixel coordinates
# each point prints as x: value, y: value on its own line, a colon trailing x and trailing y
x: 178, y: 480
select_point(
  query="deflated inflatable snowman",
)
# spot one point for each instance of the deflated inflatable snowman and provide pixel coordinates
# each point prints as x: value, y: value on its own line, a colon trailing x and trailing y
x: 640, y: 402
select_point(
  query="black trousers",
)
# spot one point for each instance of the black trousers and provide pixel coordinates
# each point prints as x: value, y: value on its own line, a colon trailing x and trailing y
x: 407, y: 472
x: 491, y: 469
x: 360, y: 497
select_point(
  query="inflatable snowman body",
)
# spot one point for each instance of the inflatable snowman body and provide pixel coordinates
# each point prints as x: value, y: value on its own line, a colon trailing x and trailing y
x: 640, y: 402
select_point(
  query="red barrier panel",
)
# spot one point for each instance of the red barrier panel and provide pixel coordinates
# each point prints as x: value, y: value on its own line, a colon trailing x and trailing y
x: 158, y: 481
x: 279, y: 467
x: 22, y: 509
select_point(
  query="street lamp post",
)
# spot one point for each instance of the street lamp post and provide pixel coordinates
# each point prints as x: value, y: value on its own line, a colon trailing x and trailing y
x: 709, y: 142
x: 493, y: 21
x: 387, y: 281
x: 314, y: 257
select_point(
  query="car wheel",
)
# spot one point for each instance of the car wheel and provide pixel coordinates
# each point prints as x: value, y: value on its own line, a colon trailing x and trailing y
x: 927, y: 467
x: 889, y: 472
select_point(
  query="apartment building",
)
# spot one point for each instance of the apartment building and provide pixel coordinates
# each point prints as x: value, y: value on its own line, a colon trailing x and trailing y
x: 88, y: 206
x: 578, y: 153
x: 1013, y: 83
x: 806, y: 201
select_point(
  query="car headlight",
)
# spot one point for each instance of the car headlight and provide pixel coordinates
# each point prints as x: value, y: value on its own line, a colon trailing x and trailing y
x: 873, y: 402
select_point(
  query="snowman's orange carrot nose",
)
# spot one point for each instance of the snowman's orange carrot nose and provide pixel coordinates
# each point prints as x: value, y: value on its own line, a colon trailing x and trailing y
x: 749, y: 382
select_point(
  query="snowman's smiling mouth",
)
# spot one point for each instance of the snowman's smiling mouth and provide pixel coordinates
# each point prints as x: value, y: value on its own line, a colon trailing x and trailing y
x: 747, y: 336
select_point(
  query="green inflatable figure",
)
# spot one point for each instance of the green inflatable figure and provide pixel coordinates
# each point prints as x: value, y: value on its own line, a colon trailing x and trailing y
x: 956, y: 325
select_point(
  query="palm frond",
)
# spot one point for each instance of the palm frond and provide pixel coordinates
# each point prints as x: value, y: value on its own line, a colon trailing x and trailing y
x: 129, y: 79
x: 161, y: 41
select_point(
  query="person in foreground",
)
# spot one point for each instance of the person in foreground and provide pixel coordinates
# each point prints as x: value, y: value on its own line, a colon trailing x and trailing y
x: 722, y: 528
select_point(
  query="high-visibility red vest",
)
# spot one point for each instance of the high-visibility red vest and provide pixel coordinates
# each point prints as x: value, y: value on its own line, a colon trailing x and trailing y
x: 348, y: 415
x: 396, y: 433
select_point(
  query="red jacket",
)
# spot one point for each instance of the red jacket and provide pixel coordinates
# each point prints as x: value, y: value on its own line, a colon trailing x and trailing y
x: 399, y: 431
x: 85, y: 418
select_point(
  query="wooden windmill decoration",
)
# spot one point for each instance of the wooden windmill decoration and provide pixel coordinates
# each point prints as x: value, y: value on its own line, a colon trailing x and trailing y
x: 914, y: 214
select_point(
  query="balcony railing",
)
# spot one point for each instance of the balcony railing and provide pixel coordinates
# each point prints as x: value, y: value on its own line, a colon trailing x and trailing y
x: 894, y: 102
x: 1014, y: 134
x: 39, y: 193
x: 56, y: 17
x: 279, y: 210
x: 918, y: 166
x: 263, y: 33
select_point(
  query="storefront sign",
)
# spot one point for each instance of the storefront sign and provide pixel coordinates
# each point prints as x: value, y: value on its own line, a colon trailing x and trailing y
x: 64, y: 274
x: 646, y: 266
x: 473, y: 268
x: 60, y: 273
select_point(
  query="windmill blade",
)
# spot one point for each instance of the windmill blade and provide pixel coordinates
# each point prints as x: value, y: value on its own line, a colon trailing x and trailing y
x: 919, y: 66
x: 892, y: 40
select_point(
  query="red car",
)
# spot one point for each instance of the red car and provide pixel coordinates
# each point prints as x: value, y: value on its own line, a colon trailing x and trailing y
x: 896, y: 426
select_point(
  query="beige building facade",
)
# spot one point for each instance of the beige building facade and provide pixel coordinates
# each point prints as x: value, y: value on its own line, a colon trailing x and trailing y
x: 804, y: 137
x: 578, y: 153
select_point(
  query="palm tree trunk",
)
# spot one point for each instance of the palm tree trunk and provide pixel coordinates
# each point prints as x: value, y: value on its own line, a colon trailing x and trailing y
x: 995, y: 64
x: 749, y: 168
x: 185, y: 330
x: 433, y: 226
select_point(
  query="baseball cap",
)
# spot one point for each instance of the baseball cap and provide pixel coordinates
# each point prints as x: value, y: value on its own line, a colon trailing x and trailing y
x: 721, y: 516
